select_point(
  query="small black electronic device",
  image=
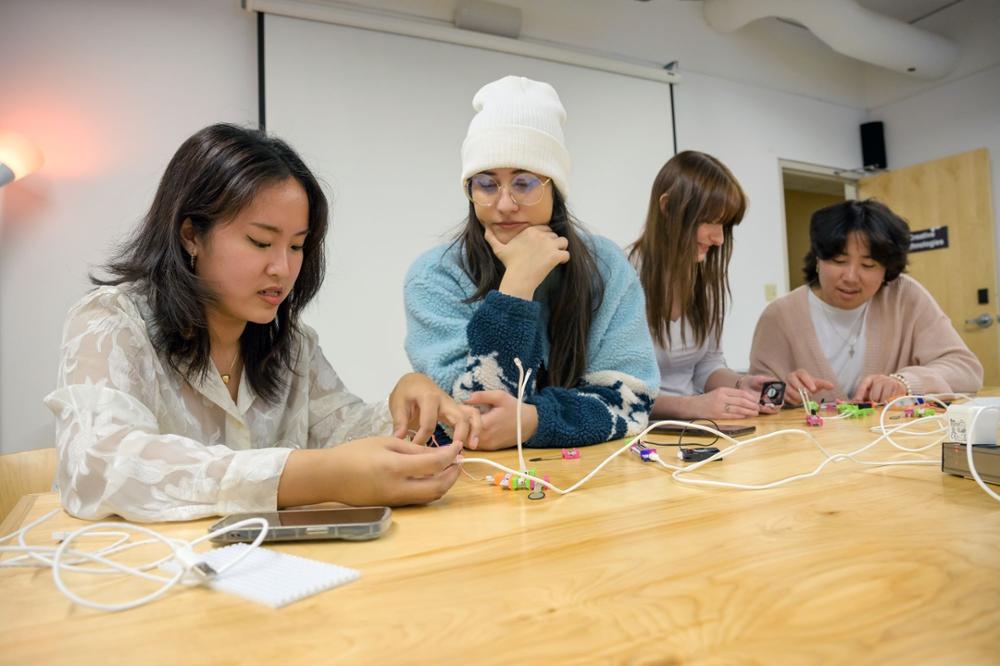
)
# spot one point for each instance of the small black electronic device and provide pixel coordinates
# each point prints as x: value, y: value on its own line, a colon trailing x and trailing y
x: 772, y: 393
x: 697, y: 453
x: 350, y: 523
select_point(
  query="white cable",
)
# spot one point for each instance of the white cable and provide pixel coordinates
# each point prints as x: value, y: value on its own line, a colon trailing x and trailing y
x: 678, y: 472
x: 885, y: 410
x: 522, y: 383
x: 190, y: 568
x: 968, y: 451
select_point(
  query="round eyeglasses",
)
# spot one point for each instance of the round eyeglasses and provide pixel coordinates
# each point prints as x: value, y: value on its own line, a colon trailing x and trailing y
x: 524, y: 189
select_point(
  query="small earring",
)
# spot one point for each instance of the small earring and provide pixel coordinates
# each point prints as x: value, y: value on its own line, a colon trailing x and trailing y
x: 192, y: 261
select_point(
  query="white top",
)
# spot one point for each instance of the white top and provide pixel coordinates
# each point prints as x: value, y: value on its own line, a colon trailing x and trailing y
x: 686, y: 366
x: 137, y: 439
x: 841, y: 336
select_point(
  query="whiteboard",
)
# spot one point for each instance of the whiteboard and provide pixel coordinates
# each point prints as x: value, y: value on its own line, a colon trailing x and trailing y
x: 380, y: 119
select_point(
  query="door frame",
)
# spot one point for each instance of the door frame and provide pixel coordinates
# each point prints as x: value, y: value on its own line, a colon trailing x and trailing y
x: 819, y: 174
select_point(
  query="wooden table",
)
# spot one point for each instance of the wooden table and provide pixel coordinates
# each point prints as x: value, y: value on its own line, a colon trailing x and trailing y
x: 892, y: 565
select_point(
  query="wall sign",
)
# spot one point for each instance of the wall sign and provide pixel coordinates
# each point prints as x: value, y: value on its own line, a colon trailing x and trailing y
x: 935, y: 238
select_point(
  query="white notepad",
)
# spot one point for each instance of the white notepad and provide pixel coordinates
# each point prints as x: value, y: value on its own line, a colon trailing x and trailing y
x: 272, y: 578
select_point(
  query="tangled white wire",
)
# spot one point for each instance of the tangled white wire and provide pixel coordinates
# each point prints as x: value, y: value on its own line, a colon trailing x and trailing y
x: 61, y: 558
x: 679, y: 473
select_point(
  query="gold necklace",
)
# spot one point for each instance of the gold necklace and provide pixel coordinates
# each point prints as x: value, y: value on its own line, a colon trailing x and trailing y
x: 226, y: 376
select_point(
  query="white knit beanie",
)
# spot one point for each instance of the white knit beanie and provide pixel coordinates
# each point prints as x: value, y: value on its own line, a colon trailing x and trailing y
x: 518, y: 125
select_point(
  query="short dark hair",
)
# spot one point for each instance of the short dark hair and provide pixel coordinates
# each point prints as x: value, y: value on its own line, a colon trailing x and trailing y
x: 212, y: 177
x: 888, y: 236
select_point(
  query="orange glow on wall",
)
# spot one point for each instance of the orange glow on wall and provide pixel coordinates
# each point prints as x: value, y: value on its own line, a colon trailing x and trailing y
x: 19, y: 154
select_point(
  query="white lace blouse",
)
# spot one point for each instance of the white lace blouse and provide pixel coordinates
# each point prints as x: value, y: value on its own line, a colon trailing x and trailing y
x: 137, y: 439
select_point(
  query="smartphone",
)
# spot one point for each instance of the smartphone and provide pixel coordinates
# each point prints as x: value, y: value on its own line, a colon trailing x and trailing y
x: 350, y: 523
x: 772, y: 393
x: 731, y: 430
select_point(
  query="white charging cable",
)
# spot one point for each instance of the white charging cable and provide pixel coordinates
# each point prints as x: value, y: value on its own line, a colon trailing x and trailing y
x: 189, y: 566
x: 678, y: 472
x: 522, y: 384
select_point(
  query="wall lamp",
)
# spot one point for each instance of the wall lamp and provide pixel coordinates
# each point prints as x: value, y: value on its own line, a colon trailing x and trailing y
x: 19, y: 156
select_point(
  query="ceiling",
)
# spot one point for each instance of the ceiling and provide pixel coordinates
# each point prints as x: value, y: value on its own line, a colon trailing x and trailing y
x: 907, y: 10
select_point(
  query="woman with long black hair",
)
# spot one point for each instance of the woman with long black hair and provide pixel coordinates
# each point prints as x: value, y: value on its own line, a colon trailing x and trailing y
x: 188, y: 385
x: 523, y: 282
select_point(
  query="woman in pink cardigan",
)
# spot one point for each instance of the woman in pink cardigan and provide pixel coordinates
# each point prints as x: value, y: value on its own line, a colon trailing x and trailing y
x: 859, y: 328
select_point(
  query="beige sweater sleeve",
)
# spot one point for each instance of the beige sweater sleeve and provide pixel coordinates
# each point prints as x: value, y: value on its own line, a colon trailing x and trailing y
x: 912, y: 337
x: 771, y: 352
x: 939, y: 361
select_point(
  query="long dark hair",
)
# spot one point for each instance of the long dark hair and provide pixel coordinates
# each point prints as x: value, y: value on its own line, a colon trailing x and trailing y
x: 212, y: 177
x: 698, y: 188
x: 887, y: 234
x: 574, y: 297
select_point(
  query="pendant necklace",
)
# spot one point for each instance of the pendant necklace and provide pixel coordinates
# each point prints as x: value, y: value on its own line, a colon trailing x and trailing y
x: 226, y: 376
x: 853, y: 332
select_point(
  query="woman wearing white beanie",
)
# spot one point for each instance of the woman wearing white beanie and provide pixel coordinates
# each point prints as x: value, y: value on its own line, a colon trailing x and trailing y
x: 522, y: 281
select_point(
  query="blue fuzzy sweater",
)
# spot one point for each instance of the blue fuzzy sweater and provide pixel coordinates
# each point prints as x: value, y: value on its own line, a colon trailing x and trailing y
x: 467, y: 347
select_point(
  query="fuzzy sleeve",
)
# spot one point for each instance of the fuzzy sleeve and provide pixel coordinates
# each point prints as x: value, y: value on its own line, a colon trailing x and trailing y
x: 614, y: 397
x: 939, y: 362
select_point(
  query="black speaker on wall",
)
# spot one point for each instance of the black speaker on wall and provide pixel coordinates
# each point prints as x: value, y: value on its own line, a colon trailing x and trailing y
x: 873, y: 145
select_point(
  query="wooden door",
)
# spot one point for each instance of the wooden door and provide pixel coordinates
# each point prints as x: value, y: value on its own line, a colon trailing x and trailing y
x: 952, y: 192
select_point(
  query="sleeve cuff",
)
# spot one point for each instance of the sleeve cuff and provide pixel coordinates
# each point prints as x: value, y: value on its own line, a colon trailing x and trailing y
x: 251, y: 481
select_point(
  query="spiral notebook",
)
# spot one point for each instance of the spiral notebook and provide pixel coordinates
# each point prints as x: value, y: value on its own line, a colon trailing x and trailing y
x: 272, y: 578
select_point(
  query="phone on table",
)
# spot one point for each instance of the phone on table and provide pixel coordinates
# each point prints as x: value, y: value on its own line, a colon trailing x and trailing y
x: 772, y: 393
x: 731, y: 430
x: 349, y: 523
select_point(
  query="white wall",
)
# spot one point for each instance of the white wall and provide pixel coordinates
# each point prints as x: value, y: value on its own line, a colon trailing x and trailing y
x: 109, y: 90
x: 953, y: 118
x: 927, y: 120
x: 398, y: 204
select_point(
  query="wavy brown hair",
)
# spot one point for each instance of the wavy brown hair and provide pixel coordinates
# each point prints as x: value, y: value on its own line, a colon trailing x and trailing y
x: 573, y: 297
x: 691, y: 189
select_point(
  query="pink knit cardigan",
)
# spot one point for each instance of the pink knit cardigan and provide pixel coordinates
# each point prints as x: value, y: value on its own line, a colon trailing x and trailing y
x: 907, y: 333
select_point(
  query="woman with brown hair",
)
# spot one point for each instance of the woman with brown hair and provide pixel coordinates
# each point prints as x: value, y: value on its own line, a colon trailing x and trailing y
x: 682, y: 258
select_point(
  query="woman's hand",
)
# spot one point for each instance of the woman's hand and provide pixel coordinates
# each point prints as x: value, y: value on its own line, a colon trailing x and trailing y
x: 528, y: 258
x: 753, y: 385
x: 800, y: 379
x: 370, y: 471
x: 724, y: 403
x: 879, y: 388
x: 500, y: 420
x: 418, y: 404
